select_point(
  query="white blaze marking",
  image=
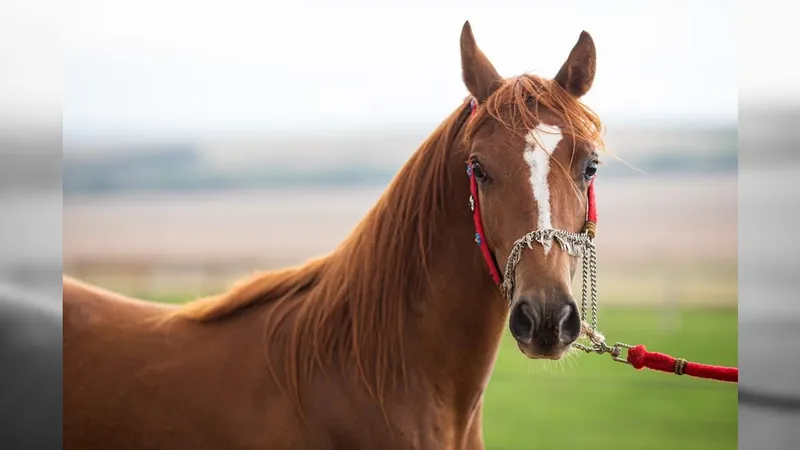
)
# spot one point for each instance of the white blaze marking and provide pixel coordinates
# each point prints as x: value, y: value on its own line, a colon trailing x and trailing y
x: 541, y: 143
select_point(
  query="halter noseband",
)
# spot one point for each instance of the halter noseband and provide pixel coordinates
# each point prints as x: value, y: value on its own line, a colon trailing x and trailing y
x: 576, y: 244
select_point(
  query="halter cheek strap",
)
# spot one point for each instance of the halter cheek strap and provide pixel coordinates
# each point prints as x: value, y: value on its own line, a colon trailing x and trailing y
x: 480, y: 237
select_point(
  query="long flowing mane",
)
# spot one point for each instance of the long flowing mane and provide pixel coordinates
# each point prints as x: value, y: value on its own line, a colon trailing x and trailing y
x: 351, y: 305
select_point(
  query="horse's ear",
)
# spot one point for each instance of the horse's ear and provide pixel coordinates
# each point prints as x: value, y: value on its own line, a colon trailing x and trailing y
x: 479, y: 74
x: 577, y: 73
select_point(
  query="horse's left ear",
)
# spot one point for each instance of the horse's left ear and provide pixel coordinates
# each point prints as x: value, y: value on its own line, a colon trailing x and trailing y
x: 577, y: 73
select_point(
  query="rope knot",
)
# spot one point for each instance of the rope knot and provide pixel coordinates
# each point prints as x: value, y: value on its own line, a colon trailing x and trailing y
x: 636, y: 356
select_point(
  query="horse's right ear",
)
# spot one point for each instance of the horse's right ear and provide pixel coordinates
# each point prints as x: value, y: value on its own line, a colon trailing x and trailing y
x: 577, y: 73
x: 479, y: 74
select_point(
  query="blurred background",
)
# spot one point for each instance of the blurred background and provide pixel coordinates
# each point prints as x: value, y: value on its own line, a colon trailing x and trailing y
x: 203, y: 142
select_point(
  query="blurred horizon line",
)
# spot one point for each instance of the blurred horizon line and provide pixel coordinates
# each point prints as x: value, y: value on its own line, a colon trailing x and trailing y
x: 355, y: 159
x: 75, y: 138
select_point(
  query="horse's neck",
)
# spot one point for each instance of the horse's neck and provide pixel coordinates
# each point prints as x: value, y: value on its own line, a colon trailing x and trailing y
x: 458, y: 326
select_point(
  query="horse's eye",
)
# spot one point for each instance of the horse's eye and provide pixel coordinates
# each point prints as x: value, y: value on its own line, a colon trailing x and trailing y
x: 591, y: 170
x: 478, y: 171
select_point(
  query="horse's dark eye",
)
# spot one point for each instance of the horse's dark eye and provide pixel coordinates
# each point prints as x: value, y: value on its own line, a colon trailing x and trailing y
x: 478, y: 171
x: 591, y: 170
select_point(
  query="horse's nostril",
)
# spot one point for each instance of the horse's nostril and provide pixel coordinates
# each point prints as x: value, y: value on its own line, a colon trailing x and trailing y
x: 523, y: 321
x: 569, y: 323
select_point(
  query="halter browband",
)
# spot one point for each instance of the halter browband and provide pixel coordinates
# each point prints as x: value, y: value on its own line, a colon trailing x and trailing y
x: 573, y: 243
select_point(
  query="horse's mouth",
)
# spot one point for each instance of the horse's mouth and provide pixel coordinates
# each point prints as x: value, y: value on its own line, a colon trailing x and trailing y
x: 553, y: 353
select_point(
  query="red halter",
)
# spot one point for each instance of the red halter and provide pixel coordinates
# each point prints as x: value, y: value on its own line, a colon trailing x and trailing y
x: 480, y: 237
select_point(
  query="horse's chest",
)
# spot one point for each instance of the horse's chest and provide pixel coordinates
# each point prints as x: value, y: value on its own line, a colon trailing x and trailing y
x: 420, y: 427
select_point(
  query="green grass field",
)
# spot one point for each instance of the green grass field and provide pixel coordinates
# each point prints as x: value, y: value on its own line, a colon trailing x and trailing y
x: 588, y: 401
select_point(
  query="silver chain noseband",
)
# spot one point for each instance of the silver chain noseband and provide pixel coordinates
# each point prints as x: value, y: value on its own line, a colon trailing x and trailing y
x: 579, y: 245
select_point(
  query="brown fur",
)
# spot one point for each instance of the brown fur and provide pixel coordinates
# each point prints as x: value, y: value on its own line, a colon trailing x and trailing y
x: 387, y: 342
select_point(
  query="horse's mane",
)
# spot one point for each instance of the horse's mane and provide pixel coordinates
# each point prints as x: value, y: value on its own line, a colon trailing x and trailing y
x: 350, y: 307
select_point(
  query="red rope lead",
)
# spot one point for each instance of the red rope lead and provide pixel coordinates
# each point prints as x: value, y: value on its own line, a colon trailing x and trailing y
x: 639, y: 357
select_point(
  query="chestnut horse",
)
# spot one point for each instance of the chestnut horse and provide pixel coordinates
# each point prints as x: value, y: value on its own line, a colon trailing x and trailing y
x: 389, y: 341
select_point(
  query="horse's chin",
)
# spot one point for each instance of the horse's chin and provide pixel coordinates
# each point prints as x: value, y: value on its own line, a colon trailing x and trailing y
x: 532, y: 352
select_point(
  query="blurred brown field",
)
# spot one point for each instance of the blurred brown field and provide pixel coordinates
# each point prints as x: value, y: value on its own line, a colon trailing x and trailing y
x: 666, y: 238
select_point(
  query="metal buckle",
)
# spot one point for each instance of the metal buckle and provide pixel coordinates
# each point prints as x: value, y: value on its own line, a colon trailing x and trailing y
x: 601, y: 348
x: 616, y: 351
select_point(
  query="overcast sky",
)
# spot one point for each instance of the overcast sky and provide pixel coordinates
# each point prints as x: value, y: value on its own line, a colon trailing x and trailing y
x: 193, y: 68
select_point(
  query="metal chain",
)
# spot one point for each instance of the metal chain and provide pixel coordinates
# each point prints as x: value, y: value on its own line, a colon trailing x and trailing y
x: 589, y: 266
x: 592, y: 260
x: 584, y: 286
